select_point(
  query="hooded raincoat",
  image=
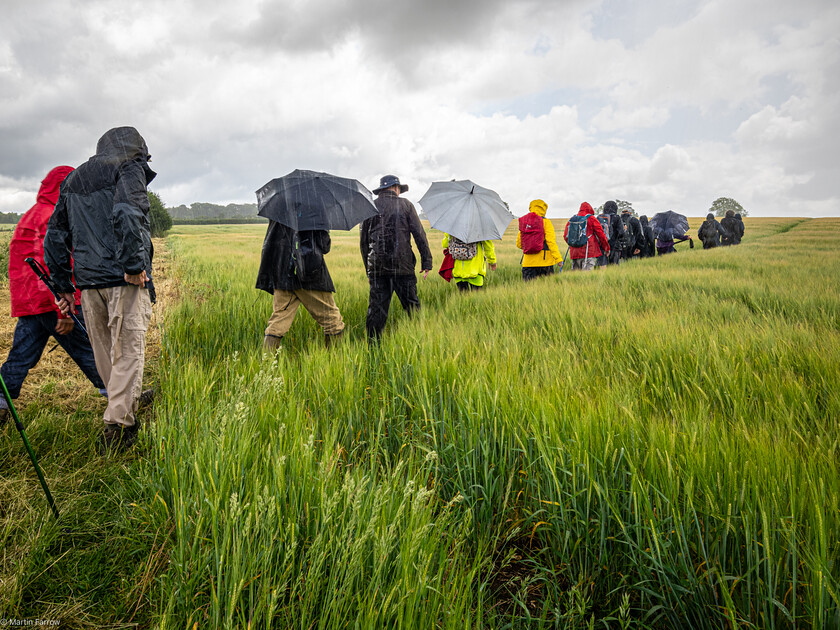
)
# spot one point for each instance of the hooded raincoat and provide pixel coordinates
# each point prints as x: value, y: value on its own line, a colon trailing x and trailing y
x: 102, y: 216
x: 710, y: 232
x: 551, y: 253
x: 30, y: 296
x: 596, y: 243
x: 475, y: 269
x: 730, y: 227
x: 648, y: 243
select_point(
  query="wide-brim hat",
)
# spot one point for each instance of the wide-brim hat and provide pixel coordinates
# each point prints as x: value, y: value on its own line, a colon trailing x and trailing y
x: 390, y: 180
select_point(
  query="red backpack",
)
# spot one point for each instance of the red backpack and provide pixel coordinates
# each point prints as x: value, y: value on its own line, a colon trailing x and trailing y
x: 532, y: 233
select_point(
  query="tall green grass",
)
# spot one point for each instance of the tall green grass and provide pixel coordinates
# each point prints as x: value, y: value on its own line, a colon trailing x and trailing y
x: 654, y: 445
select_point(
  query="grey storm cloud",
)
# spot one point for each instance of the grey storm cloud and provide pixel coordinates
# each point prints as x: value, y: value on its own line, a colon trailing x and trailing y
x: 390, y: 28
x: 231, y: 94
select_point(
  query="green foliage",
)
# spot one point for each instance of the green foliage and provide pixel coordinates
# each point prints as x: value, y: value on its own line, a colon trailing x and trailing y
x: 159, y: 218
x: 222, y: 221
x: 9, y: 217
x: 201, y: 210
x: 5, y: 237
x: 722, y: 204
x: 621, y: 206
x: 624, y: 205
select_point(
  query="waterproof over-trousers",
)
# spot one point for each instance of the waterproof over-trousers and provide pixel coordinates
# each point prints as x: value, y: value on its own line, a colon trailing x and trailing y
x: 381, y: 290
x: 117, y: 319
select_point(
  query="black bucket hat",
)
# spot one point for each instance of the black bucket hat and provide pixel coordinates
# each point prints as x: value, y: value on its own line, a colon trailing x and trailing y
x: 390, y: 180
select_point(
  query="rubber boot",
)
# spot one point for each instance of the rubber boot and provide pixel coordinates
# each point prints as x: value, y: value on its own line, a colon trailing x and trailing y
x: 332, y: 340
x: 272, y: 343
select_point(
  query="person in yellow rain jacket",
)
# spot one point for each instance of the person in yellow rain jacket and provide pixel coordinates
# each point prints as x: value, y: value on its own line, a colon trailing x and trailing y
x: 537, y: 261
x: 469, y: 274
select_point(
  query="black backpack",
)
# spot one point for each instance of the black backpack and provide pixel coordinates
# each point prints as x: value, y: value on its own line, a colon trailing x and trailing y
x: 624, y: 238
x: 307, y: 257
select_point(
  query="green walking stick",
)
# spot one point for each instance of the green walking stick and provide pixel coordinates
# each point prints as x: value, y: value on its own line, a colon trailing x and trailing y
x: 20, y: 428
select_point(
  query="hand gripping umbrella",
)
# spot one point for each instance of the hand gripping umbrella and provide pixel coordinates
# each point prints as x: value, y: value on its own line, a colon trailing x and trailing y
x: 466, y: 211
x: 308, y: 200
x: 29, y: 450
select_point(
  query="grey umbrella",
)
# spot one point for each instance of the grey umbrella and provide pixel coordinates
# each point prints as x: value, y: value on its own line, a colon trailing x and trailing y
x: 466, y: 211
x: 309, y: 200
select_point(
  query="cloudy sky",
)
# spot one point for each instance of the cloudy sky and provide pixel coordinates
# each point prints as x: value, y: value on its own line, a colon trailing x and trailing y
x: 669, y: 104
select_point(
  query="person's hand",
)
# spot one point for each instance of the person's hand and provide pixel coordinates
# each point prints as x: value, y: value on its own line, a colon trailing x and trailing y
x: 636, y: 251
x: 492, y: 266
x: 66, y: 303
x: 64, y: 326
x: 138, y: 279
x: 425, y: 273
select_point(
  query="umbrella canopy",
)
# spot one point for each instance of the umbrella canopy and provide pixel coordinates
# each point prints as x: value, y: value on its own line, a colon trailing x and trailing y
x: 466, y: 211
x: 308, y: 200
x: 667, y: 225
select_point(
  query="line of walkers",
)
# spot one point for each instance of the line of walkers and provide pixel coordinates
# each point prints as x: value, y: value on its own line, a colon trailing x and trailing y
x: 729, y: 231
x: 91, y: 228
x: 608, y: 238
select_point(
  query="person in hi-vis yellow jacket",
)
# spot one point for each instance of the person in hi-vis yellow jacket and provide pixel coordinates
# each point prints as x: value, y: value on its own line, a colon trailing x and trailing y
x: 469, y: 274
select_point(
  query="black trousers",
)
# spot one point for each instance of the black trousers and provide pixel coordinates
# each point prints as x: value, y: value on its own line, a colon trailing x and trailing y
x: 381, y: 290
x: 529, y: 273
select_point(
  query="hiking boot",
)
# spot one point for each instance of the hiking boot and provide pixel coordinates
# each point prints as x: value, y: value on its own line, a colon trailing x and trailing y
x: 5, y: 414
x: 332, y: 340
x: 118, y: 438
x: 272, y: 343
x: 147, y: 397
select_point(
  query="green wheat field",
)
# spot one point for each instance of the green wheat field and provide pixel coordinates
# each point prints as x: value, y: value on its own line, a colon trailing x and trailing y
x: 653, y: 446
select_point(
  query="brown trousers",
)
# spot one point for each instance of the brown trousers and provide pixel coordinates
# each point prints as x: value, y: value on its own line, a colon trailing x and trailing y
x: 117, y: 319
x: 320, y: 304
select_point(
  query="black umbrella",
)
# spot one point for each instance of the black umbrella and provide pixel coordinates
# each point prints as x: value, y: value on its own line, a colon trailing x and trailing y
x: 308, y: 200
x: 667, y: 225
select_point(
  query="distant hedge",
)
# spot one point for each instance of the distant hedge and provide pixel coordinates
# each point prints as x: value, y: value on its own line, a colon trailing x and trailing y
x: 219, y: 221
x: 9, y: 217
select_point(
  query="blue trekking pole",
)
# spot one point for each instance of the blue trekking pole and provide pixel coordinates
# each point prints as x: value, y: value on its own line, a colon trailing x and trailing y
x: 20, y: 428
x: 42, y: 274
x: 563, y: 262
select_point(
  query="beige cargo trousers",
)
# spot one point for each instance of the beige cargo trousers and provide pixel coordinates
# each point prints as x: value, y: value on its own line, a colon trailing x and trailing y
x: 117, y: 319
x: 320, y: 304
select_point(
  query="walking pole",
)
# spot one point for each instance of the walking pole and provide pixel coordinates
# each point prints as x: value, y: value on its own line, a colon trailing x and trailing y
x: 20, y: 428
x: 42, y: 274
x: 563, y: 262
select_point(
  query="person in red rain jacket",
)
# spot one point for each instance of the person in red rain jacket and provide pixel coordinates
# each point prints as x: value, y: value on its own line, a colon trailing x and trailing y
x: 39, y: 318
x: 585, y: 257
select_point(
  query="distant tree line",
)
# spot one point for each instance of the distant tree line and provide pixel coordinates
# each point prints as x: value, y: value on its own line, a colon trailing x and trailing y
x: 202, y: 210
x: 9, y: 217
x: 218, y: 221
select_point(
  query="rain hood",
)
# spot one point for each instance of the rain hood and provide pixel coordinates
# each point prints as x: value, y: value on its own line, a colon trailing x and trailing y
x: 538, y: 206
